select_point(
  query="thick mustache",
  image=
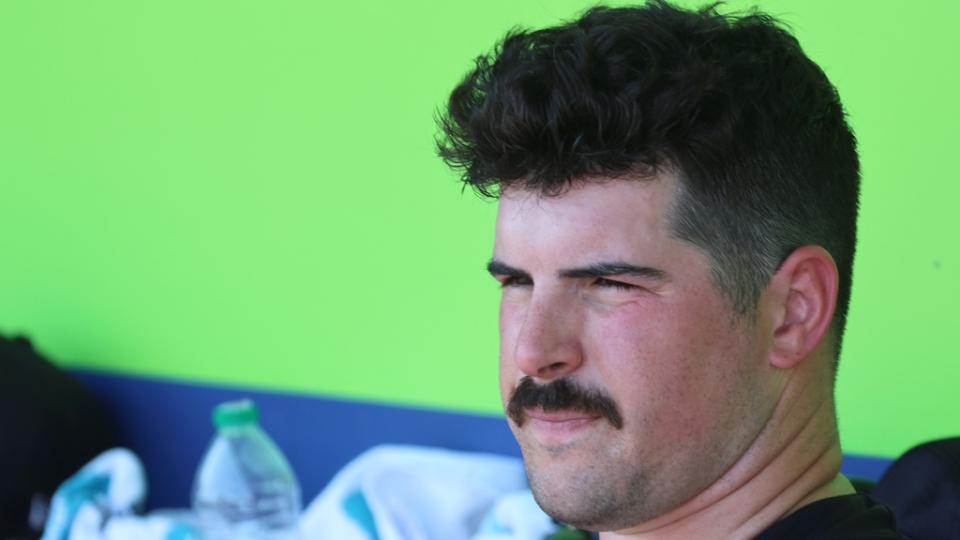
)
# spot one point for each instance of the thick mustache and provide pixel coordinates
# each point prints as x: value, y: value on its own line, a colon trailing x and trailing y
x: 560, y: 395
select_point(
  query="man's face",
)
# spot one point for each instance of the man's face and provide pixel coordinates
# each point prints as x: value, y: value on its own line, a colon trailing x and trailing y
x: 598, y: 294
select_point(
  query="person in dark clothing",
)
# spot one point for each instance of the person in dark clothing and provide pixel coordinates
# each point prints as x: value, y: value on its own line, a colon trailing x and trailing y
x: 678, y: 194
x: 922, y: 487
x: 50, y: 426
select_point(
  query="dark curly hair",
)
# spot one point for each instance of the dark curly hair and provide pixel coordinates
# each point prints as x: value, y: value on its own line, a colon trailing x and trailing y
x: 753, y: 129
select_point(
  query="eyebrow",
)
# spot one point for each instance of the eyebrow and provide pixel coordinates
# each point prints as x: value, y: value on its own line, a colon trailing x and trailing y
x: 600, y: 269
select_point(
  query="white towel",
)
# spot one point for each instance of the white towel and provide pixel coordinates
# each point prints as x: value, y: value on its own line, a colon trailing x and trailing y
x: 99, y: 501
x: 397, y: 492
x: 387, y: 493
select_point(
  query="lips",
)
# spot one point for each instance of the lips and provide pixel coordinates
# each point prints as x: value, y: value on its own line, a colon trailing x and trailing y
x: 559, y: 417
x: 552, y: 428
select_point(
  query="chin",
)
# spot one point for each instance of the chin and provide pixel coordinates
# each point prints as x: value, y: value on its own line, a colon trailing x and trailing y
x: 584, y: 494
x: 578, y: 511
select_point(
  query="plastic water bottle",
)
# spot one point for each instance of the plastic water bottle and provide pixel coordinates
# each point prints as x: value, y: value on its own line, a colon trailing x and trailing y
x: 245, y: 488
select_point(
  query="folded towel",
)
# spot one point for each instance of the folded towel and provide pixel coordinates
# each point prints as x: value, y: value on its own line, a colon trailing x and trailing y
x: 390, y: 492
x: 396, y: 492
x: 99, y: 503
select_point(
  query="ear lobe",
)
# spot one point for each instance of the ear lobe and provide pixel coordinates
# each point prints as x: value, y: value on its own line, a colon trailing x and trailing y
x: 806, y: 295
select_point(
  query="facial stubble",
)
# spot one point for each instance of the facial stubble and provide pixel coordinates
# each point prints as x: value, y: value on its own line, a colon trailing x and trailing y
x: 584, y: 483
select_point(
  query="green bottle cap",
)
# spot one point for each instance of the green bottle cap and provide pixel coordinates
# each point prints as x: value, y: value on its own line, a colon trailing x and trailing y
x: 235, y: 413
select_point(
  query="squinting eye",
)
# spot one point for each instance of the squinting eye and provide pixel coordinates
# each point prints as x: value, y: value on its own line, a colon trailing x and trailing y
x: 603, y: 282
x: 515, y: 281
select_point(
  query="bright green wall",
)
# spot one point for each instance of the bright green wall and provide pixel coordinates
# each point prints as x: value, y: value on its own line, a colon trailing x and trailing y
x: 246, y: 192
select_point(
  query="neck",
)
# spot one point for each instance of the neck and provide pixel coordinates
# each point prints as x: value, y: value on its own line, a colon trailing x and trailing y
x: 793, y: 462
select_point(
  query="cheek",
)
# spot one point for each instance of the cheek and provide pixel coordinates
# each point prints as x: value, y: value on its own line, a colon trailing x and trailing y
x: 509, y: 322
x: 661, y: 361
x: 513, y: 311
x: 632, y: 347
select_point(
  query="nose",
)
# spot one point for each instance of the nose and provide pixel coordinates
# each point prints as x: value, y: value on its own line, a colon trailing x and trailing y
x: 547, y: 343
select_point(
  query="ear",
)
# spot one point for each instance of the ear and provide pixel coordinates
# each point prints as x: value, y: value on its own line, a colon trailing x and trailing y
x: 804, y: 296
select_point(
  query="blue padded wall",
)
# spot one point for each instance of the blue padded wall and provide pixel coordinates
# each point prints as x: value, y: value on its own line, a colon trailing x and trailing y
x: 168, y: 425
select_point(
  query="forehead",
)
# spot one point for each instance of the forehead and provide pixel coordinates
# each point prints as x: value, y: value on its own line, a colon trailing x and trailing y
x: 610, y: 215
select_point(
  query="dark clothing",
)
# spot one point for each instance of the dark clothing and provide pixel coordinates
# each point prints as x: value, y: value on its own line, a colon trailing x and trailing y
x: 50, y: 426
x: 848, y: 517
x: 922, y: 488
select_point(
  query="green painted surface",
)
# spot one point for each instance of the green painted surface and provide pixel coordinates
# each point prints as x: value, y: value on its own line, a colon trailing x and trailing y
x: 246, y: 192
